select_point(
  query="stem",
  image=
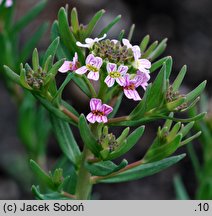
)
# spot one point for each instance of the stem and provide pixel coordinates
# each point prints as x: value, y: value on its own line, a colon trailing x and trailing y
x: 91, y: 88
x: 84, y: 186
x: 69, y: 114
x: 118, y: 119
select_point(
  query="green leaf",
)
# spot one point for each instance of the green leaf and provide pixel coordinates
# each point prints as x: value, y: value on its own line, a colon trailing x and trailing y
x: 157, y: 64
x: 159, y: 151
x: 91, y: 25
x: 28, y: 17
x: 131, y: 140
x: 188, y: 140
x: 153, y: 97
x: 11, y: 74
x: 142, y: 170
x: 104, y: 168
x: 132, y: 29
x: 35, y: 60
x: 178, y: 81
x: 150, y: 49
x: 54, y: 110
x: 41, y: 175
x: 74, y: 21
x: 186, y: 129
x: 144, y: 43
x: 49, y: 196
x: 121, y: 35
x: 32, y: 42
x: 110, y: 26
x: 196, y: 92
x: 171, y: 106
x: 54, y: 34
x: 66, y: 140
x: 87, y: 136
x: 67, y: 36
x: 159, y: 50
x: 169, y: 63
x: 51, y: 51
x: 81, y: 84
x: 180, y: 189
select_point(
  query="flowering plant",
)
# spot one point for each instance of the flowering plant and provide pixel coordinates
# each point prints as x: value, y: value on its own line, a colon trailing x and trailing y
x: 106, y: 70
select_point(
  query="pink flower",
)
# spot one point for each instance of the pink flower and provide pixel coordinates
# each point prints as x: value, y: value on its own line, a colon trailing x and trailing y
x: 142, y: 79
x: 99, y: 111
x: 93, y: 64
x: 115, y: 75
x: 141, y: 64
x: 69, y: 65
x: 8, y: 3
x: 89, y: 42
x: 130, y: 88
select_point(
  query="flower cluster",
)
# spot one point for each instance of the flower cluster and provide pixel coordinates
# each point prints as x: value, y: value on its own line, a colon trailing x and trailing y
x: 119, y: 63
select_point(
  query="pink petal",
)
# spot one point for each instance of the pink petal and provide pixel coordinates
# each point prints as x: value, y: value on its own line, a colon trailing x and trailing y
x: 91, y: 117
x: 109, y: 81
x: 81, y: 70
x: 120, y: 81
x: 136, y: 52
x: 9, y: 3
x: 126, y: 80
x: 114, y: 41
x: 104, y: 119
x: 111, y: 67
x: 95, y: 104
x: 144, y: 85
x: 93, y: 75
x: 65, y: 67
x: 98, y: 63
x: 123, y: 69
x: 128, y: 93
x: 75, y: 59
x: 136, y: 96
x: 99, y: 119
x: 106, y: 109
x: 145, y: 63
x: 127, y: 43
x: 89, y: 59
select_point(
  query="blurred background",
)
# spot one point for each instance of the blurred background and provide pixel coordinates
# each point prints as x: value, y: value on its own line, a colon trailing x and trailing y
x: 187, y: 25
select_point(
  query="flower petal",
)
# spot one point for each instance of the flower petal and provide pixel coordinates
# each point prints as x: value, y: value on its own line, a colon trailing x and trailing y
x: 136, y: 96
x: 93, y: 75
x: 104, y: 119
x: 101, y: 38
x: 128, y: 93
x: 127, y: 43
x: 98, y: 63
x: 136, y: 52
x: 75, y: 59
x: 91, y: 117
x: 90, y: 58
x: 65, y: 67
x: 106, y: 109
x: 109, y: 81
x: 111, y: 67
x: 120, y: 81
x: 123, y: 69
x: 98, y: 119
x: 81, y: 70
x: 95, y: 104
x: 79, y: 44
x: 145, y: 63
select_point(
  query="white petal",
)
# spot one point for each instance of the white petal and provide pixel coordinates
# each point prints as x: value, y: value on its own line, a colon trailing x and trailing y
x: 82, y: 45
x: 93, y: 75
x: 65, y: 67
x: 81, y: 70
x: 109, y: 81
x: 127, y: 43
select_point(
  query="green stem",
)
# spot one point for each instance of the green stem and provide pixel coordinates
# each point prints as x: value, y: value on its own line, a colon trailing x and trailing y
x: 90, y: 86
x: 84, y: 186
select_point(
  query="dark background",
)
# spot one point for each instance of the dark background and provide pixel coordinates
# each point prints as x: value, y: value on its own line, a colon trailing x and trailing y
x: 188, y: 26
